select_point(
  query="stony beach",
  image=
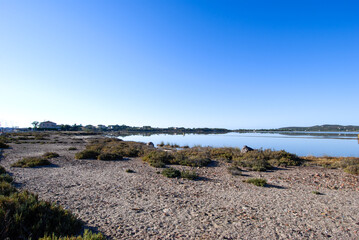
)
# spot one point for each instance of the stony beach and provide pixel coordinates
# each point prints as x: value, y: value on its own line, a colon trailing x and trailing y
x: 147, y: 205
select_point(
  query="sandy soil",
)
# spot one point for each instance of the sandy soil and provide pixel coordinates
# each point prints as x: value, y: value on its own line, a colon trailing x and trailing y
x: 146, y: 205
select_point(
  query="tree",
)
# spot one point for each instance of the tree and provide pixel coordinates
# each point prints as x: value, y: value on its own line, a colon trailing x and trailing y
x: 35, y: 123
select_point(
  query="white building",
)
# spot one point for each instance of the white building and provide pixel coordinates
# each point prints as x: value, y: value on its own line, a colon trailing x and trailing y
x: 48, y: 124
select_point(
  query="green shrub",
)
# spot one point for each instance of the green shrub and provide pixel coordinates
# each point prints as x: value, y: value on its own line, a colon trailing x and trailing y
x: 347, y: 162
x: 171, y: 173
x: 4, y: 145
x: 6, y: 178
x: 50, y: 155
x: 2, y: 170
x: 282, y: 158
x: 23, y: 216
x: 236, y: 171
x: 87, y: 154
x: 254, y: 163
x: 109, y: 156
x: 262, y: 160
x: 129, y: 171
x: 158, y: 159
x: 88, y: 235
x: 72, y: 148
x: 6, y: 189
x: 260, y: 182
x: 191, y: 175
x: 192, y: 161
x: 157, y: 164
x: 352, y: 169
x: 116, y: 146
x: 31, y: 162
x: 224, y: 154
x: 193, y: 157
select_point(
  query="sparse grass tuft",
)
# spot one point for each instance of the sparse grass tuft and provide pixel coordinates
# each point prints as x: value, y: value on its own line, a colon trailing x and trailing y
x: 88, y: 235
x: 29, y: 162
x: 129, y: 171
x: 260, y: 182
x: 50, y: 155
x: 316, y: 193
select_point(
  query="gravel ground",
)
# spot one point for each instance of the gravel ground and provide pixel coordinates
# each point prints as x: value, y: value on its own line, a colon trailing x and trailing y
x: 146, y: 205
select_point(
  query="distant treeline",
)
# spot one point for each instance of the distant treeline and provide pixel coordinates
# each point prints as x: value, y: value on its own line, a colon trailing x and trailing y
x: 124, y: 129
x: 148, y: 130
x: 323, y: 128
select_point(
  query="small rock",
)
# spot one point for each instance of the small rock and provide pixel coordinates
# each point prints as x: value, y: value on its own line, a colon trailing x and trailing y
x: 246, y: 149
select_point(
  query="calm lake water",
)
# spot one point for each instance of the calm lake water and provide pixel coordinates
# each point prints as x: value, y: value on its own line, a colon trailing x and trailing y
x: 331, y: 144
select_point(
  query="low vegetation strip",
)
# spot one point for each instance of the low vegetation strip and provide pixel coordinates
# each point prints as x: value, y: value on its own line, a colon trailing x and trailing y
x: 348, y: 164
x: 31, y: 162
x: 24, y: 216
x: 260, y: 182
x: 112, y: 149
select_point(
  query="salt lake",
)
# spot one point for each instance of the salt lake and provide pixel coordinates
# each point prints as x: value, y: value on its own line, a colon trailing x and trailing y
x: 301, y: 143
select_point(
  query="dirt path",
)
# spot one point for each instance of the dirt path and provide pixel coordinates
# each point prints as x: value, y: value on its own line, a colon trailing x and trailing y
x: 146, y: 205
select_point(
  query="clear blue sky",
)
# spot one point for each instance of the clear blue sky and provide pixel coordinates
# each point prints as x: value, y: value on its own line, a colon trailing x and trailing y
x: 190, y: 63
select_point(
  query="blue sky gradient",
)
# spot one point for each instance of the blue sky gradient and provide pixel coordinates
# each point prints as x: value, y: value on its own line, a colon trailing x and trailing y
x: 232, y: 64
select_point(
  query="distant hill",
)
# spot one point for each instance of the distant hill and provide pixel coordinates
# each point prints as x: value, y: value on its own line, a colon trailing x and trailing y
x: 323, y: 128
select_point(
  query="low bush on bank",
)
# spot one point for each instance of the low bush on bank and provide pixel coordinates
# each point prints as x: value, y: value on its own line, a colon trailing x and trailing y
x: 158, y: 159
x: 352, y: 169
x: 224, y: 154
x: 24, y: 216
x: 112, y: 149
x: 187, y: 158
x: 109, y: 156
x: 2, y: 170
x: 87, y: 154
x: 191, y: 175
x: 262, y: 160
x: 6, y: 178
x: 29, y: 162
x: 50, y: 155
x: 4, y: 145
x: 260, y: 182
x: 171, y: 173
x: 6, y: 189
x: 349, y: 165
